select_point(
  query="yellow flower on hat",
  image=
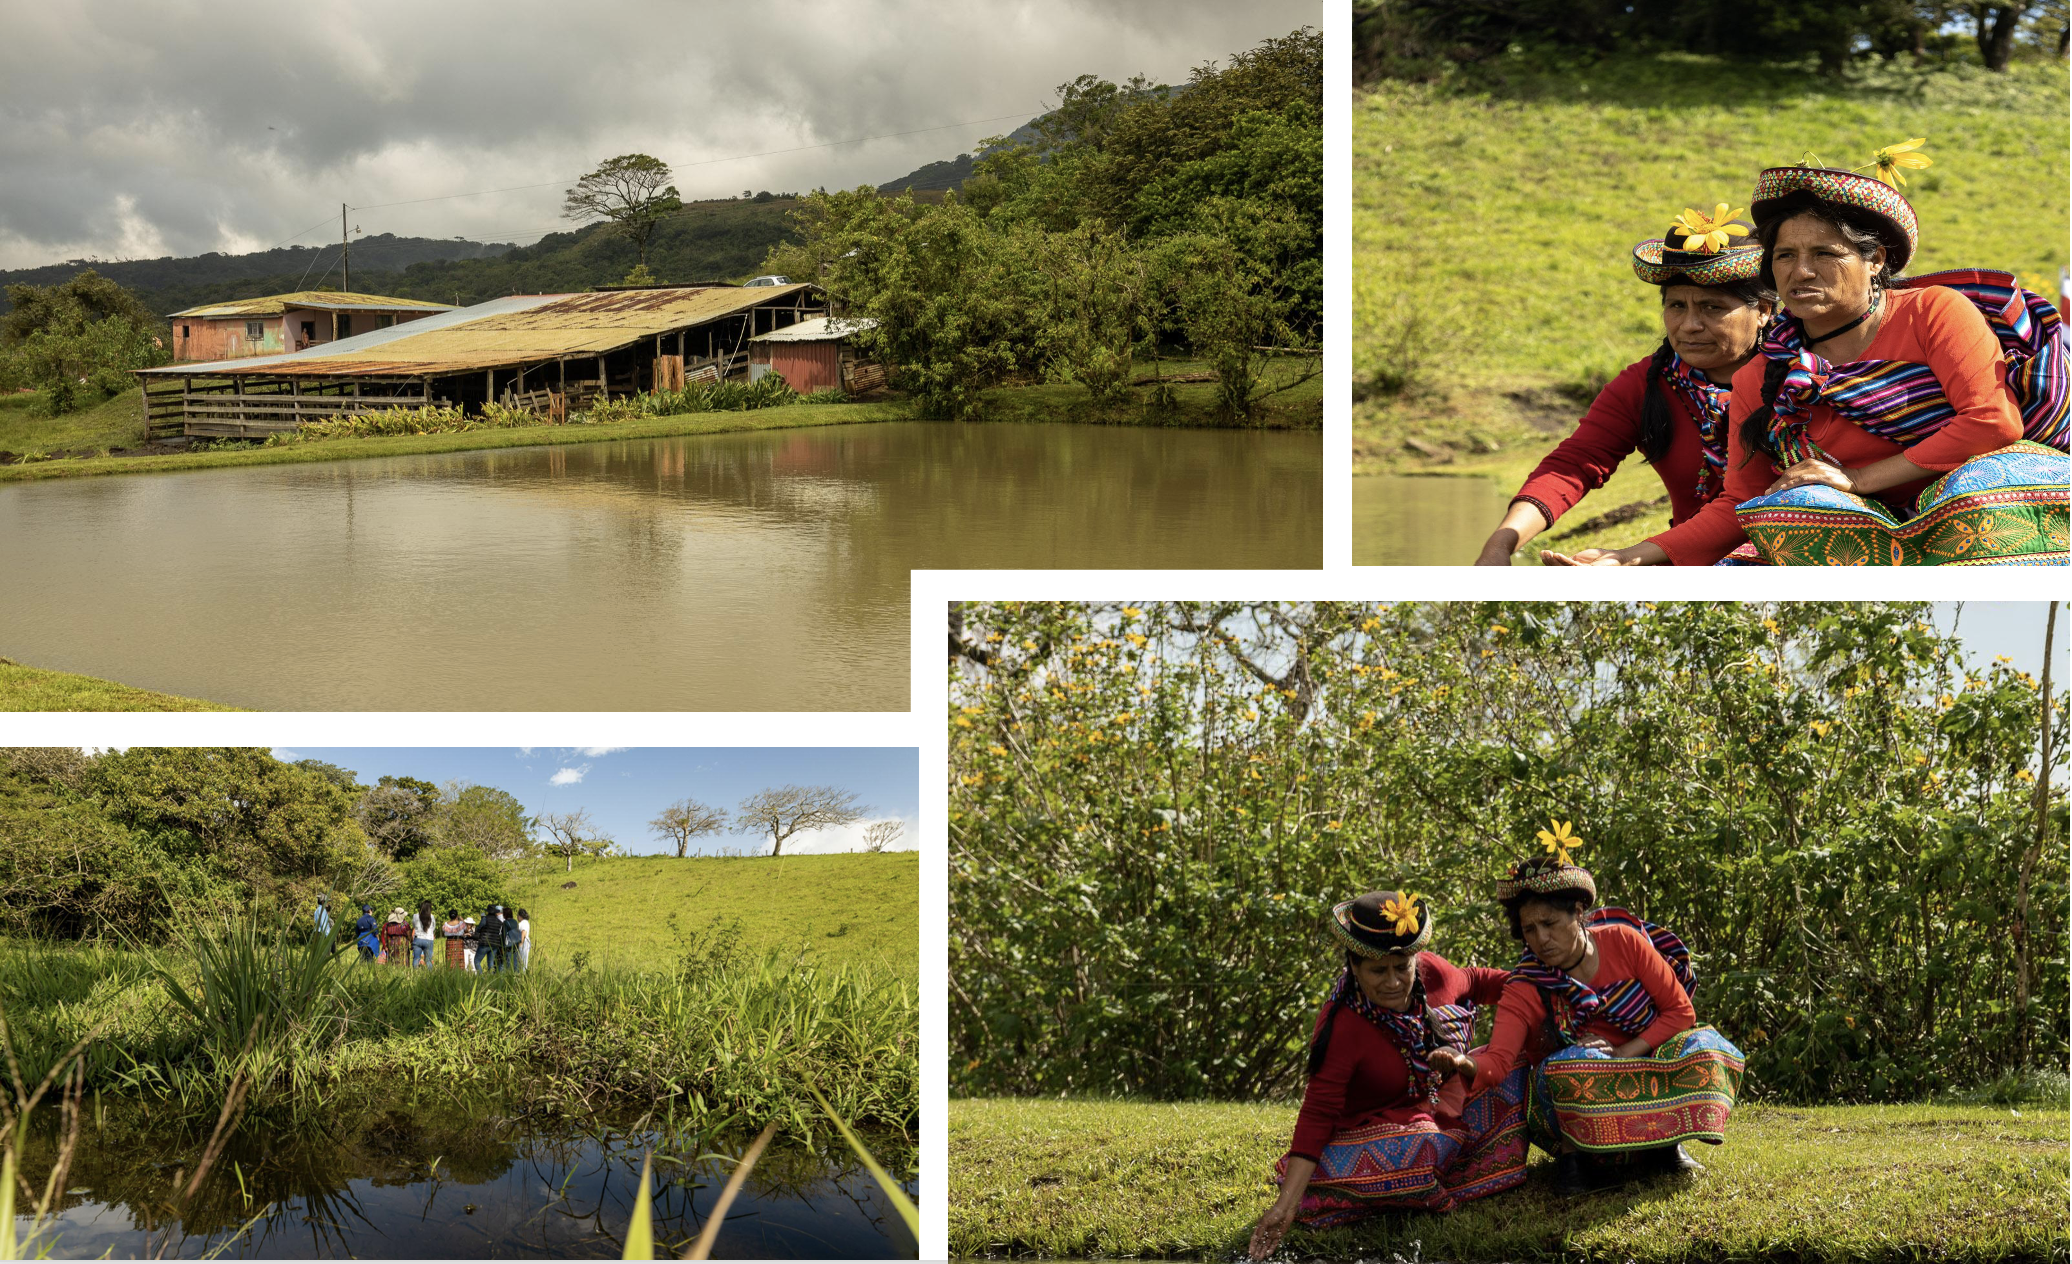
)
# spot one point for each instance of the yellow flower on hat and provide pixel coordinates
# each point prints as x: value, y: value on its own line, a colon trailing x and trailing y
x: 1891, y: 158
x: 1402, y: 912
x: 1709, y: 234
x: 1559, y: 840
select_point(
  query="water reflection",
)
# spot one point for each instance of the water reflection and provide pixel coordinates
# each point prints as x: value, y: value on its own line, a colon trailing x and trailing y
x: 1408, y: 520
x: 759, y: 571
x: 432, y: 1181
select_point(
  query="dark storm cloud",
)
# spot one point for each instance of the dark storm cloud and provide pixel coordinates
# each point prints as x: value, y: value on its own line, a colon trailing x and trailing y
x: 143, y: 129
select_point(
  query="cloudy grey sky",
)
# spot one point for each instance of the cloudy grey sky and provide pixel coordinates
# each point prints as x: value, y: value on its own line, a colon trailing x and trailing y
x: 131, y: 130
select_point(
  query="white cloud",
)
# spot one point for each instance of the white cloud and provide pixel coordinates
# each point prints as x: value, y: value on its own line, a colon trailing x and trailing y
x: 597, y: 752
x: 284, y: 755
x: 846, y: 838
x: 525, y: 752
x: 568, y: 776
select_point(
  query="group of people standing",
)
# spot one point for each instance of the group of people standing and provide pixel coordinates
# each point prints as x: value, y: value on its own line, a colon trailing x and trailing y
x: 501, y: 939
x: 1596, y: 1055
x: 1810, y: 404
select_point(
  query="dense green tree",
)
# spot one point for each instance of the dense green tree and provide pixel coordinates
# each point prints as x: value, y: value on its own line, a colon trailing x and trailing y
x: 1859, y: 834
x: 77, y: 341
x: 400, y: 815
x: 485, y: 820
x: 454, y: 879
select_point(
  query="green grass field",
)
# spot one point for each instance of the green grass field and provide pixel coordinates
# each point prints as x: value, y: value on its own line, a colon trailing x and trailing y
x: 851, y: 905
x: 1844, y: 1183
x: 1493, y: 224
x: 112, y: 423
x: 1298, y: 404
x: 40, y: 689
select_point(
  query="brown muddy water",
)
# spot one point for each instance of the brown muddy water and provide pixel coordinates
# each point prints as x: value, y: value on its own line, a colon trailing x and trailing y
x: 1413, y: 520
x: 455, y: 1181
x: 761, y: 571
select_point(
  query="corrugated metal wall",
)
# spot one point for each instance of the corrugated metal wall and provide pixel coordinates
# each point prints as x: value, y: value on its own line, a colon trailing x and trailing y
x: 807, y: 366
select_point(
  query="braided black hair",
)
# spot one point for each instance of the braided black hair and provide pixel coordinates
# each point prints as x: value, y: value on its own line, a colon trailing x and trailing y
x: 1864, y: 233
x: 1654, y: 405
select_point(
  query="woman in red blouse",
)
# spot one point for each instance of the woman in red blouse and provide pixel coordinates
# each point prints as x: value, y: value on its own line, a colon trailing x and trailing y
x: 1599, y: 1007
x: 1872, y: 388
x: 1385, y: 1122
x: 1671, y: 407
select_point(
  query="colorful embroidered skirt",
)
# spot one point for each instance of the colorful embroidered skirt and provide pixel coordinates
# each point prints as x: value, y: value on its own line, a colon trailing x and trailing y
x: 1420, y: 1166
x: 2006, y: 508
x: 1604, y: 1105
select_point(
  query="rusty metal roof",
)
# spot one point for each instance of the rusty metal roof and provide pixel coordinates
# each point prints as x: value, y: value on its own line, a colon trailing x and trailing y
x: 540, y: 328
x: 819, y: 329
x: 315, y: 300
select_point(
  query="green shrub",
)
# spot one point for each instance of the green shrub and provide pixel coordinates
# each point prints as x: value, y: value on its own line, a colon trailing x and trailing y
x: 454, y: 878
x: 825, y: 395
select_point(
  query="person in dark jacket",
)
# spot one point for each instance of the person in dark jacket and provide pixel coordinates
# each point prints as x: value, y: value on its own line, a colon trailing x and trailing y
x: 489, y: 940
x: 367, y: 933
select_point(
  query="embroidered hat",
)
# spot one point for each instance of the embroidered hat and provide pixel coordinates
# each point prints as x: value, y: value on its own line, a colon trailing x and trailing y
x: 1783, y: 191
x: 1381, y: 923
x: 1700, y: 249
x: 1543, y: 875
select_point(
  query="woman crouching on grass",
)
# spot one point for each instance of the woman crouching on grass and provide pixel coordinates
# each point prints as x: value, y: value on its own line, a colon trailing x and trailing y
x: 1384, y: 1124
x: 1599, y: 1007
x: 1886, y: 421
x: 1671, y: 407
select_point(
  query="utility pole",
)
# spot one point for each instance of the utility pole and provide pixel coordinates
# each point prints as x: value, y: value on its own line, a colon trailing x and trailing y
x: 345, y: 274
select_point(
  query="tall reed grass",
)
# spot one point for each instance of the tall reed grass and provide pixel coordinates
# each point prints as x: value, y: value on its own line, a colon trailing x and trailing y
x: 747, y: 1037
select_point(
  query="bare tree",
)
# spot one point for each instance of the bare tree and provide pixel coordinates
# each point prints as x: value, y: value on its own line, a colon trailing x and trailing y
x: 785, y: 810
x: 685, y: 820
x: 879, y: 835
x: 572, y: 834
x: 632, y: 191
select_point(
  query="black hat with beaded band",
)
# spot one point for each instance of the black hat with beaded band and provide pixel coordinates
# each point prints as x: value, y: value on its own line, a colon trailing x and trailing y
x: 1781, y: 192
x: 1382, y: 923
x: 1555, y: 871
x: 1700, y: 249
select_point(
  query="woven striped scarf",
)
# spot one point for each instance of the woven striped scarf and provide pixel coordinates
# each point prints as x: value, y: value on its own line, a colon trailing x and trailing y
x: 1416, y: 1030
x: 1626, y: 1005
x: 1706, y: 401
x: 1901, y: 400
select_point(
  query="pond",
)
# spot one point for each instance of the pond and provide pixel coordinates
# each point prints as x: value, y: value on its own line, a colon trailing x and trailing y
x: 443, y: 1180
x: 762, y: 571
x: 1424, y: 520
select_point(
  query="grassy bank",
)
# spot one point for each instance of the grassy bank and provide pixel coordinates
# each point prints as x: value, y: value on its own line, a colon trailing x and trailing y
x: 1845, y: 1183
x: 635, y: 910
x: 790, y: 416
x: 40, y: 689
x: 112, y: 423
x: 1493, y: 221
x: 731, y: 1032
x: 1297, y: 404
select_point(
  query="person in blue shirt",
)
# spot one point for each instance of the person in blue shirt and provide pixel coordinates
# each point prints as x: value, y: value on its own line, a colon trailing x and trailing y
x: 323, y: 917
x: 367, y: 932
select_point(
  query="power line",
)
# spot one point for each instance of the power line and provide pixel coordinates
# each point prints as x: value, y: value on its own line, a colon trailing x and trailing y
x: 703, y: 162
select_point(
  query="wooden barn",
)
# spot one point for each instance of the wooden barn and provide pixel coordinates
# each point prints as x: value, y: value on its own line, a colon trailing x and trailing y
x: 548, y: 352
x: 279, y: 323
x: 816, y: 354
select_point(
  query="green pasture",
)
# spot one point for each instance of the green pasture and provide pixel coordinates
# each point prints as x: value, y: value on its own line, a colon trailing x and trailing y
x: 1094, y: 1179
x: 1494, y: 217
x: 641, y: 910
x: 1296, y: 401
x: 25, y: 688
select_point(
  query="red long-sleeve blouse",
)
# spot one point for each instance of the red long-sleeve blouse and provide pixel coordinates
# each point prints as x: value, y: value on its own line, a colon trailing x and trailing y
x: 1937, y: 327
x: 1365, y: 1076
x: 1622, y: 953
x: 1608, y: 433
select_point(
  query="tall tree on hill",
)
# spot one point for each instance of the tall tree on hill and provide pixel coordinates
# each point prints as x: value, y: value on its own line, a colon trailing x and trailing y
x: 483, y: 819
x: 785, y: 810
x: 572, y: 834
x: 632, y: 191
x: 400, y: 815
x: 685, y: 820
x: 879, y: 835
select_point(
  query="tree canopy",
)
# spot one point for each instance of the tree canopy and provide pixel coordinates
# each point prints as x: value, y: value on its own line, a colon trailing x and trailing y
x: 78, y: 340
x: 632, y: 192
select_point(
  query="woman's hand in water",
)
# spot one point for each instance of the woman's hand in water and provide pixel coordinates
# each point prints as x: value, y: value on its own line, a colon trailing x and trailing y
x: 1812, y: 471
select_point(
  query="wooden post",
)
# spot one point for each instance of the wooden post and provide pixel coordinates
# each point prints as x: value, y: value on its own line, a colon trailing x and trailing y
x: 489, y: 389
x: 603, y: 382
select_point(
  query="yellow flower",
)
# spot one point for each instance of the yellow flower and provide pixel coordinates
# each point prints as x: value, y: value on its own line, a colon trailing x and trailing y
x: 1891, y: 158
x: 1709, y: 234
x: 1403, y: 912
x: 1819, y: 727
x: 1131, y: 612
x: 1137, y: 639
x: 1559, y: 840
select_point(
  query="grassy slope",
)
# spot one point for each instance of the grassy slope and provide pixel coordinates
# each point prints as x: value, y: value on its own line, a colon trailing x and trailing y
x: 112, y: 423
x: 1299, y: 406
x: 621, y: 905
x: 40, y: 689
x: 1493, y: 229
x: 1099, y: 1179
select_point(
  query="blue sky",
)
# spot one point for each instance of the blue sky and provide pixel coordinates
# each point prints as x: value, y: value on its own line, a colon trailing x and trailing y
x: 1989, y: 629
x: 623, y: 789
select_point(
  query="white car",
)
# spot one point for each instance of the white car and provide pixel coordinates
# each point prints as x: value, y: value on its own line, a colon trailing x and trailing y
x: 769, y: 280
